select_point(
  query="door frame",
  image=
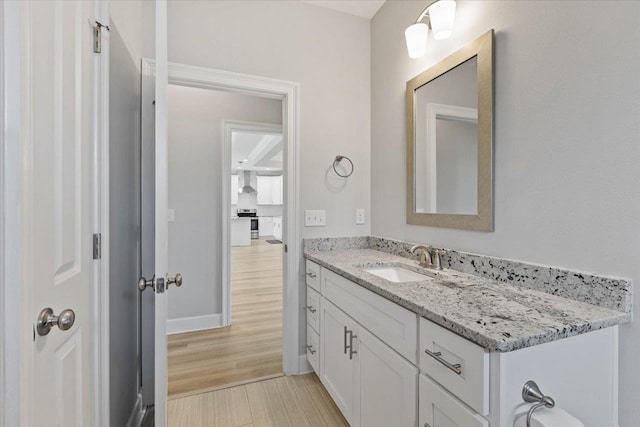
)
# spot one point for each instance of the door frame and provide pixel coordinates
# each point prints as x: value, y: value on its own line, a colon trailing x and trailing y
x: 289, y: 92
x: 16, y: 245
x: 228, y: 126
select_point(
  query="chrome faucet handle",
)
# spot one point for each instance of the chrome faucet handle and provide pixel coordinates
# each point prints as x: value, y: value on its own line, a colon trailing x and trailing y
x: 437, y: 258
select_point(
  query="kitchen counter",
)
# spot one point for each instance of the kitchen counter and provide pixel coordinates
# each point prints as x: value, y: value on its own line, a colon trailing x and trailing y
x: 493, y: 314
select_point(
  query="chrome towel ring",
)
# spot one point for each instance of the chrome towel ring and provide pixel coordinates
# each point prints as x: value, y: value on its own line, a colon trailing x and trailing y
x: 337, y: 161
x: 531, y: 394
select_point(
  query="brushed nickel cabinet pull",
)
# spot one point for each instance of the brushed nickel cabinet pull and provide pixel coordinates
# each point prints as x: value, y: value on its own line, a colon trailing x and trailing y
x: 311, y: 309
x: 312, y: 275
x: 311, y: 350
x: 437, y: 355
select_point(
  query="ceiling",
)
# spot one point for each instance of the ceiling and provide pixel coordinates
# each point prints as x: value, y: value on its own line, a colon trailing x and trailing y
x: 361, y: 8
x: 256, y: 151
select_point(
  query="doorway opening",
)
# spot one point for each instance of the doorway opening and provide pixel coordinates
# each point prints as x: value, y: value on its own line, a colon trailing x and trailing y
x: 225, y: 180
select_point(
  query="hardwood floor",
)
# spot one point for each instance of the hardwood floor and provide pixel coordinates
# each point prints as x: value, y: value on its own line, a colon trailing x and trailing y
x: 298, y: 401
x: 251, y: 348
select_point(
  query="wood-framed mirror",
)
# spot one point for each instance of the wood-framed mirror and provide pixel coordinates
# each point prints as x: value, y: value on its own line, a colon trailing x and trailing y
x: 450, y: 140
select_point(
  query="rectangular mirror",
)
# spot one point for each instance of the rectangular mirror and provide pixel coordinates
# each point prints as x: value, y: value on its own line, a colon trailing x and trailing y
x: 450, y: 140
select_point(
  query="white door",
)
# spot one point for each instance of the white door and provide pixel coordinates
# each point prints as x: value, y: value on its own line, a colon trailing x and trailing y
x: 337, y: 363
x: 388, y: 385
x: 162, y: 279
x: 61, y: 82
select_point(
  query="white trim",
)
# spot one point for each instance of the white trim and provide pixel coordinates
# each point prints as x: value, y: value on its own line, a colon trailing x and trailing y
x: 194, y: 323
x: 11, y: 389
x: 137, y: 414
x: 207, y: 78
x: 434, y: 112
x: 100, y: 294
x: 228, y: 126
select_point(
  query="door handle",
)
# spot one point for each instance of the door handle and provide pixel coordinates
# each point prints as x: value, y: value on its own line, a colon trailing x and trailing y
x: 47, y: 320
x: 351, y: 350
x: 144, y: 283
x: 175, y: 280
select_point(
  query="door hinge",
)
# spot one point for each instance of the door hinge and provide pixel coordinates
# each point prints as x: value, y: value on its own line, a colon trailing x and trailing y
x: 97, y: 35
x: 286, y: 249
x: 97, y: 246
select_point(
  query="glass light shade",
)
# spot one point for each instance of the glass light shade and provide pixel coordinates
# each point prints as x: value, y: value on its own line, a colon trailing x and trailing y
x: 416, y: 37
x: 442, y: 14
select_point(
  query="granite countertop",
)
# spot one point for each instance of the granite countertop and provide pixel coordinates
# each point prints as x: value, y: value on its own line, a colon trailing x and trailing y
x: 495, y: 315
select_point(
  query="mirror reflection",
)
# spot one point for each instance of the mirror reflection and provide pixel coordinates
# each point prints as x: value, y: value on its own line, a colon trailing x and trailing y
x: 446, y: 142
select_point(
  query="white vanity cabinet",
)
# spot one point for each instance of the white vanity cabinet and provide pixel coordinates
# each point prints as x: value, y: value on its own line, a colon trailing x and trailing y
x: 371, y: 383
x: 383, y: 365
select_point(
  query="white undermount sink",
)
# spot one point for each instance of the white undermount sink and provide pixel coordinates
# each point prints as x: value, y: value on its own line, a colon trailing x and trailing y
x: 396, y: 274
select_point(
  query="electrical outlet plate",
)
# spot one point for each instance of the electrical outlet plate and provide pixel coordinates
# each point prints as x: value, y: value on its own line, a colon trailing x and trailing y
x: 359, y: 216
x: 315, y: 218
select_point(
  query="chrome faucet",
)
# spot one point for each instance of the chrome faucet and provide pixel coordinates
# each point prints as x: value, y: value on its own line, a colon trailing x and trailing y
x: 430, y: 257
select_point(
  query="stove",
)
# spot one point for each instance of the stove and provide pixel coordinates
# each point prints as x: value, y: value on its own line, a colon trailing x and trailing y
x: 253, y: 214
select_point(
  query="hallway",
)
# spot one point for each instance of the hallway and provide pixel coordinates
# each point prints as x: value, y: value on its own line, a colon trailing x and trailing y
x: 251, y: 348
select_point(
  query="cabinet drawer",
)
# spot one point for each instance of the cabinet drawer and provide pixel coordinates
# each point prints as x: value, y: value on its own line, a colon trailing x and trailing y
x: 457, y: 364
x: 439, y: 409
x: 313, y: 309
x: 313, y: 275
x: 394, y: 325
x: 313, y: 349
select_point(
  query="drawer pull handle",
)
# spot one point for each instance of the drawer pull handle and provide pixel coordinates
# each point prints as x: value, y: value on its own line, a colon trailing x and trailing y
x: 426, y: 425
x: 311, y: 309
x: 351, y: 350
x: 311, y: 350
x: 438, y: 356
x: 312, y: 275
x: 346, y: 345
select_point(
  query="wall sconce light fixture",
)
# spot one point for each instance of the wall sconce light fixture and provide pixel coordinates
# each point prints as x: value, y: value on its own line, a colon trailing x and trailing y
x: 441, y: 15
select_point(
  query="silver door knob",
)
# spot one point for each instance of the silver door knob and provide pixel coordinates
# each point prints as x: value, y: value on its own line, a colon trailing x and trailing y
x: 47, y: 320
x: 144, y: 283
x: 176, y: 280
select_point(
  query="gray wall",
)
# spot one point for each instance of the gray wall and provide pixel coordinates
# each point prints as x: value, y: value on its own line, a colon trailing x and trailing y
x: 567, y: 140
x: 124, y: 195
x: 328, y: 53
x: 195, y: 189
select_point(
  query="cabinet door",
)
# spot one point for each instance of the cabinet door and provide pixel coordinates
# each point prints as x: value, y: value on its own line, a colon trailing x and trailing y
x: 276, y: 190
x: 264, y: 188
x: 234, y: 189
x: 265, y: 226
x: 338, y: 371
x: 440, y: 409
x: 388, y: 385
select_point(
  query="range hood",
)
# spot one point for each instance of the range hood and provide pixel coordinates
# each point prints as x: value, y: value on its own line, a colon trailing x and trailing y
x: 247, y: 188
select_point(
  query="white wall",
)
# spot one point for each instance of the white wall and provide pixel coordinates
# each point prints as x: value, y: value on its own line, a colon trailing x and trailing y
x: 195, y: 189
x: 328, y: 53
x: 567, y: 140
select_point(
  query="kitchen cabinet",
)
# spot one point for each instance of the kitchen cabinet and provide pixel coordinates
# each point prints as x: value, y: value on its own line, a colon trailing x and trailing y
x: 235, y: 186
x: 269, y: 190
x: 240, y: 231
x: 265, y: 226
x: 277, y: 227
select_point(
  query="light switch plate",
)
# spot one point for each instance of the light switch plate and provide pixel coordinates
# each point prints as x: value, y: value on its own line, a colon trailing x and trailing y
x: 315, y: 218
x: 359, y: 216
x: 171, y: 215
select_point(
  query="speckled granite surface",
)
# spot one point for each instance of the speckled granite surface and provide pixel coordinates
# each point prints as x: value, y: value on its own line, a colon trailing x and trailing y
x: 603, y: 291
x: 494, y: 314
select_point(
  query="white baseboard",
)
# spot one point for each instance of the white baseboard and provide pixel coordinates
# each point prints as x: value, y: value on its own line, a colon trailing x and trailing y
x: 137, y: 413
x: 303, y: 365
x: 196, y: 323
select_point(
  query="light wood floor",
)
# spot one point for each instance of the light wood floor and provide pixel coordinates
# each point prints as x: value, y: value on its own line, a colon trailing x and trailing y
x: 280, y: 402
x: 251, y: 347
